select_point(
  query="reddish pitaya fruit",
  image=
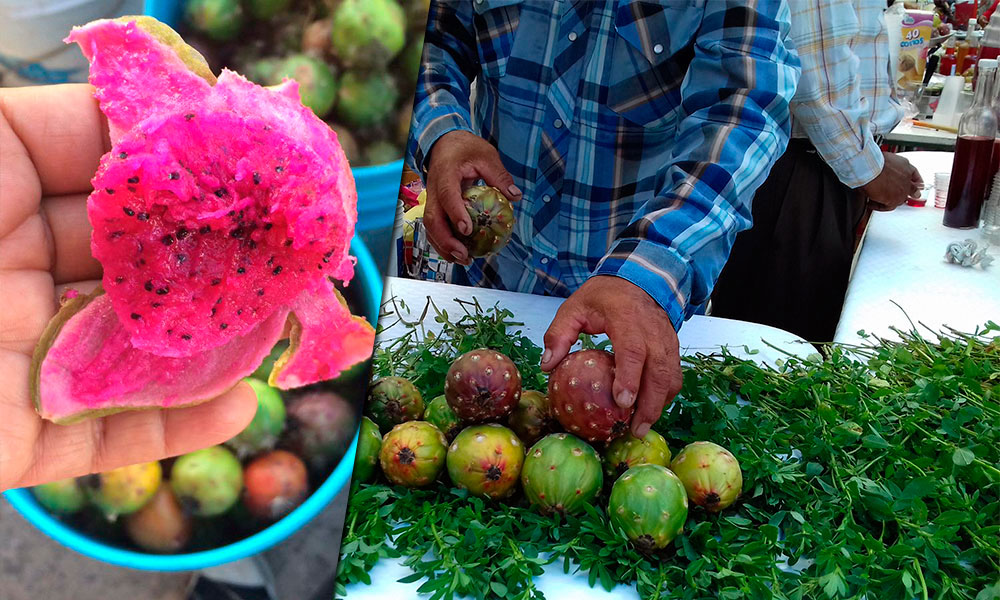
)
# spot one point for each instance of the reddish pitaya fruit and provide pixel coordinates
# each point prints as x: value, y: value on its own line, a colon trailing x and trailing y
x: 482, y: 385
x: 207, y: 482
x: 532, y: 417
x: 367, y: 33
x: 413, y: 453
x: 124, y: 490
x: 710, y: 473
x: 320, y: 427
x: 628, y: 451
x: 649, y: 505
x: 580, y: 393
x: 222, y: 210
x: 267, y: 424
x: 486, y: 460
x: 160, y: 525
x: 492, y: 220
x: 63, y: 497
x: 393, y: 400
x: 366, y: 455
x: 274, y: 484
x: 561, y: 473
x: 439, y: 414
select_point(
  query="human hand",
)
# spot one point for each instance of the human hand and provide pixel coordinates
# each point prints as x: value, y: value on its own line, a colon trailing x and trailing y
x: 898, y: 181
x: 51, y: 139
x: 647, y: 354
x: 458, y: 160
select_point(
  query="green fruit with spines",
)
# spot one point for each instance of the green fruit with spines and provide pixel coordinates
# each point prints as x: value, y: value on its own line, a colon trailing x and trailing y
x: 628, y: 451
x: 268, y: 422
x: 532, y: 418
x: 207, y: 482
x: 124, y: 490
x: 365, y: 100
x: 366, y: 455
x: 561, y: 473
x: 317, y: 81
x: 439, y: 414
x: 649, y: 505
x: 413, y: 454
x: 393, y: 400
x: 220, y: 20
x: 486, y: 460
x: 367, y: 33
x: 62, y: 497
x: 710, y: 474
x: 492, y: 217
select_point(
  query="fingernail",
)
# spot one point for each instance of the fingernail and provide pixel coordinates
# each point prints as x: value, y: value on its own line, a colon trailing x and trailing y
x: 458, y: 256
x: 625, y: 398
x: 546, y: 356
x: 464, y: 227
x: 642, y: 430
x: 513, y: 190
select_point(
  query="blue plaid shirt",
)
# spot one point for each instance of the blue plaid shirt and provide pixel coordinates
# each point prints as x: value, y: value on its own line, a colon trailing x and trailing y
x: 638, y: 132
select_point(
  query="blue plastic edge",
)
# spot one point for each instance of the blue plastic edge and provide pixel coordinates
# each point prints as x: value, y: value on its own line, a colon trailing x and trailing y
x: 378, y: 192
x: 165, y: 11
x: 24, y: 502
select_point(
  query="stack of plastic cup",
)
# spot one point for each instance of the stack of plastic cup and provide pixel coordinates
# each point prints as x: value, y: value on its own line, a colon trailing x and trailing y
x: 991, y: 213
x: 941, y: 181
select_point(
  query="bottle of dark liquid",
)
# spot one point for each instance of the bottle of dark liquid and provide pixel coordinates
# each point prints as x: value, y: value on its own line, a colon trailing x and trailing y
x: 972, y: 166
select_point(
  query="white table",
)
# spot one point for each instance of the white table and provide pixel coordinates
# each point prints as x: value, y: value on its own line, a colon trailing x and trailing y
x: 902, y: 260
x: 699, y: 335
x: 907, y: 134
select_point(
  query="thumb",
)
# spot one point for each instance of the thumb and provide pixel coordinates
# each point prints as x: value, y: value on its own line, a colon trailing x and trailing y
x: 493, y: 172
x: 561, y: 335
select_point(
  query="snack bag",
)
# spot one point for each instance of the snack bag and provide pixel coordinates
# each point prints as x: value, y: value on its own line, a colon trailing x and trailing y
x: 916, y: 35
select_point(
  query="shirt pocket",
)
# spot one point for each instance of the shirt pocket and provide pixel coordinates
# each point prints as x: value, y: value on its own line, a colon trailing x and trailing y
x: 651, y: 50
x: 495, y: 23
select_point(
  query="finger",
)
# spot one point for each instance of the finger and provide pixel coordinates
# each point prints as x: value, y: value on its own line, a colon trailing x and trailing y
x: 28, y: 306
x: 661, y: 381
x: 67, y: 219
x: 630, y: 356
x: 22, y: 191
x: 562, y: 334
x: 62, y: 129
x: 448, y: 195
x: 441, y: 235
x: 491, y: 169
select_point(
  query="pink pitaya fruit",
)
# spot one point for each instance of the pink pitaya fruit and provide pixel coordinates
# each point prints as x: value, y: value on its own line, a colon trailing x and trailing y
x: 482, y: 385
x: 581, y: 398
x: 222, y: 209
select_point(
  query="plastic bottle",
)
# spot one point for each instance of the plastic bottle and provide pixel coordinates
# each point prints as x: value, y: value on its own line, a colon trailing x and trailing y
x: 947, y: 65
x: 970, y: 169
x: 990, y: 46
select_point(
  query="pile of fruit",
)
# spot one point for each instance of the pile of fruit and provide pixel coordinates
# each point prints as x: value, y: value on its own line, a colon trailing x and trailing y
x: 356, y: 61
x: 217, y: 495
x: 480, y: 430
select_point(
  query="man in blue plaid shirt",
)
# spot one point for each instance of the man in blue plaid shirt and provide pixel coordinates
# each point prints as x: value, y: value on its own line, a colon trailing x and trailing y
x: 631, y: 136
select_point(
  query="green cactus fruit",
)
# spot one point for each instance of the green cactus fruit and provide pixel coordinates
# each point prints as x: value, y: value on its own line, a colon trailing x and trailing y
x: 264, y: 370
x: 316, y: 79
x: 367, y: 33
x: 267, y: 424
x: 649, y: 504
x: 207, y: 482
x: 441, y: 415
x: 365, y: 100
x: 366, y: 455
x: 316, y: 37
x: 561, y: 473
x: 161, y: 525
x: 393, y: 400
x: 63, y: 497
x: 124, y: 490
x: 532, y: 417
x: 265, y: 9
x: 492, y: 220
x: 710, y: 474
x: 382, y: 152
x: 220, y: 20
x: 628, y: 451
x: 408, y: 61
x: 486, y: 460
x: 413, y: 453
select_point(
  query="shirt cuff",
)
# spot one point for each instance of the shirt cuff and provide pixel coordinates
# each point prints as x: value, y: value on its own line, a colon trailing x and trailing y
x: 435, y: 123
x: 861, y: 168
x: 660, y: 271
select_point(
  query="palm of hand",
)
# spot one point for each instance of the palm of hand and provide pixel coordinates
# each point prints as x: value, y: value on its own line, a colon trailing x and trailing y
x: 51, y: 140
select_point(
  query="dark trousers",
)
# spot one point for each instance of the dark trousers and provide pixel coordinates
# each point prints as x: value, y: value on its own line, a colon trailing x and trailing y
x: 790, y: 270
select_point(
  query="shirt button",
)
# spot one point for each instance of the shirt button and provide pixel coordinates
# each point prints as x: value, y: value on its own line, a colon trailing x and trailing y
x: 572, y: 36
x: 545, y: 260
x: 657, y: 48
x: 546, y: 198
x: 557, y: 123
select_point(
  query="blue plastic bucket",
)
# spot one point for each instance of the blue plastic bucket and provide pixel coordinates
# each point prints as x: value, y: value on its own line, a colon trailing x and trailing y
x: 378, y: 192
x: 165, y: 11
x: 367, y: 276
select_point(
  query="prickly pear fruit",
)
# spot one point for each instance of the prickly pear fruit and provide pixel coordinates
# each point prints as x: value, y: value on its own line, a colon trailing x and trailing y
x: 366, y: 455
x: 532, y: 417
x: 649, y: 505
x: 316, y: 38
x: 161, y: 525
x: 710, y: 474
x: 347, y: 142
x: 561, y: 473
x: 367, y: 33
x: 265, y: 9
x: 393, y: 400
x: 580, y: 393
x: 413, y: 453
x: 264, y: 370
x: 320, y: 427
x: 628, y: 451
x: 439, y: 414
x: 220, y: 20
x: 123, y: 490
x: 274, y: 484
x: 207, y: 482
x: 482, y: 385
x: 380, y: 153
x: 486, y: 460
x: 268, y: 422
x: 317, y: 82
x: 492, y: 220
x: 365, y: 100
x: 63, y: 497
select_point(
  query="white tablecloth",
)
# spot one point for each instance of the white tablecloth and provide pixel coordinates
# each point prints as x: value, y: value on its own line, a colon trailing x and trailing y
x: 699, y: 335
x: 902, y: 260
